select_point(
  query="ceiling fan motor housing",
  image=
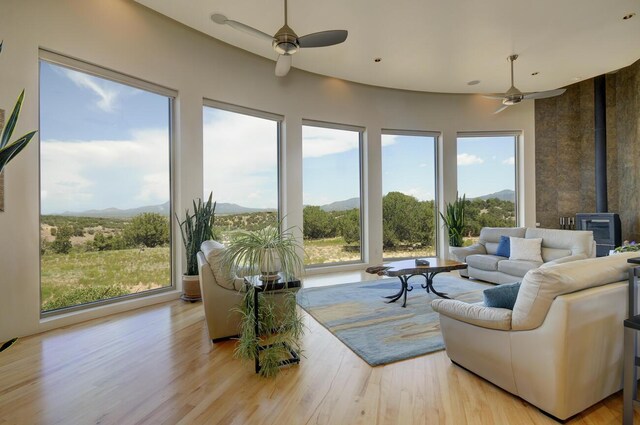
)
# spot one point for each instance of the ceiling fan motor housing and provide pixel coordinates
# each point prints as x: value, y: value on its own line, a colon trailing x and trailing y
x: 285, y: 42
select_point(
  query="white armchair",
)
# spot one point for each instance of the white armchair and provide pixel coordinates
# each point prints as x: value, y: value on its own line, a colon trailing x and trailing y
x: 561, y: 347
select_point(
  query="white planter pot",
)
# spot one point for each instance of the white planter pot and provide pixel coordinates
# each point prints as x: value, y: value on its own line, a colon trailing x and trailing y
x: 270, y: 264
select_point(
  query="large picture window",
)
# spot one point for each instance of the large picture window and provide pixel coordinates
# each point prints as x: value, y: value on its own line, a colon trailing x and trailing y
x: 240, y: 167
x: 409, y: 190
x: 331, y: 193
x: 105, y: 185
x: 487, y: 176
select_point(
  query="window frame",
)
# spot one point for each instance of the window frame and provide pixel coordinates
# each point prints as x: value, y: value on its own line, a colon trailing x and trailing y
x: 517, y: 137
x: 279, y: 119
x: 361, y: 185
x: 436, y: 180
x: 60, y: 60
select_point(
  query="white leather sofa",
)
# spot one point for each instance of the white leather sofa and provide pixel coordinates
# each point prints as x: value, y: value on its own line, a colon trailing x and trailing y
x: 558, y: 246
x: 561, y: 348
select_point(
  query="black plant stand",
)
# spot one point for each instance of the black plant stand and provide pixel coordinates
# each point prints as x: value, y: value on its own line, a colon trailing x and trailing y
x: 274, y: 285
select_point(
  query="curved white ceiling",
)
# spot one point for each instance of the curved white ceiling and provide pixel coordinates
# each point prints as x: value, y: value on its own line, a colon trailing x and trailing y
x: 437, y: 45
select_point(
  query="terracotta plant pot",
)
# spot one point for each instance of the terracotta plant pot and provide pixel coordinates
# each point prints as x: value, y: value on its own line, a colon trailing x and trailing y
x: 191, y: 288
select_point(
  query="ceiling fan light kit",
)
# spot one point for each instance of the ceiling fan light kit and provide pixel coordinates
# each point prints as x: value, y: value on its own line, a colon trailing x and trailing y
x: 286, y: 42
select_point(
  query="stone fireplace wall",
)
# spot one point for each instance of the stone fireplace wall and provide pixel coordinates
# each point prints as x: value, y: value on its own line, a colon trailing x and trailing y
x: 565, y: 162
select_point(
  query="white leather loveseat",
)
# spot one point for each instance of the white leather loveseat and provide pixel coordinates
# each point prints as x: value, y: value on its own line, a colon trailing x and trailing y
x: 561, y: 348
x: 558, y: 246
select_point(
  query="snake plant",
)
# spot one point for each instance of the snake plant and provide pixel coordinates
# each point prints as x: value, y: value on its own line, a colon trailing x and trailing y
x: 454, y: 219
x: 195, y: 229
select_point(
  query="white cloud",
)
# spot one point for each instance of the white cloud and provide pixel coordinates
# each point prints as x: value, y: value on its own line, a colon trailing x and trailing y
x: 423, y: 165
x: 509, y: 161
x: 107, y: 96
x: 419, y: 193
x: 322, y: 141
x: 75, y: 172
x: 469, y: 159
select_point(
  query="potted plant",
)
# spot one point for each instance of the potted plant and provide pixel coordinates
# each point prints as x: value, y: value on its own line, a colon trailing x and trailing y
x: 195, y: 229
x: 454, y: 220
x: 273, y: 254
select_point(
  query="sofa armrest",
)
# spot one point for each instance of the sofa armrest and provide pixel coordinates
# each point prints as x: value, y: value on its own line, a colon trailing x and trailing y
x: 474, y: 314
x: 565, y: 260
x: 461, y: 253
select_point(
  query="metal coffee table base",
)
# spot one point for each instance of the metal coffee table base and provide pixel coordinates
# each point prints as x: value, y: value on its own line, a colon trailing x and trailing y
x: 405, y: 287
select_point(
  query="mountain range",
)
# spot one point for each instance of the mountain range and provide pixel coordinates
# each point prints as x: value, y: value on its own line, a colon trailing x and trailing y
x: 223, y: 208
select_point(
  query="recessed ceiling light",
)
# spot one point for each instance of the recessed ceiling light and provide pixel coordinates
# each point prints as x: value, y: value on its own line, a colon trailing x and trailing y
x: 473, y: 82
x: 576, y: 78
x: 629, y: 16
x: 535, y: 73
x: 376, y: 60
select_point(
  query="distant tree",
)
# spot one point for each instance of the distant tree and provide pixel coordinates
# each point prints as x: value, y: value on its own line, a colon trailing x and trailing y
x: 350, y: 226
x: 62, y: 242
x: 317, y: 223
x: 148, y: 229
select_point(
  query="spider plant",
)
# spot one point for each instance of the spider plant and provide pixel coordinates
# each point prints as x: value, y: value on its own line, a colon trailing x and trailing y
x: 454, y: 220
x: 280, y: 325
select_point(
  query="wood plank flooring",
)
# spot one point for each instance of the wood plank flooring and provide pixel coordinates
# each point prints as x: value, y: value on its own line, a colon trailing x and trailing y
x: 156, y: 365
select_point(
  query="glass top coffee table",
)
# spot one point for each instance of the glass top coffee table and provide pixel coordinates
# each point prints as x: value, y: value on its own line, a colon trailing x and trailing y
x: 406, y: 269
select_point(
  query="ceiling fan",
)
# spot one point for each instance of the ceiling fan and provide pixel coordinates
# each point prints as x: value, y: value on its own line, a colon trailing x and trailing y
x: 514, y: 96
x: 286, y: 42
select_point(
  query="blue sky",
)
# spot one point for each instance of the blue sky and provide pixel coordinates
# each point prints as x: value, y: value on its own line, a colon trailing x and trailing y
x: 105, y: 144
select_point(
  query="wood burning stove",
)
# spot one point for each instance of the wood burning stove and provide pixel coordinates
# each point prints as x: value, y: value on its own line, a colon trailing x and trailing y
x: 605, y: 228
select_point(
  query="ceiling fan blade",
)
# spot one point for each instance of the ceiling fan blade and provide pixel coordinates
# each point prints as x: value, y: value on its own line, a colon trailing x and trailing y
x: 222, y: 20
x: 283, y: 65
x: 500, y: 109
x: 544, y: 94
x: 493, y: 96
x: 323, y: 38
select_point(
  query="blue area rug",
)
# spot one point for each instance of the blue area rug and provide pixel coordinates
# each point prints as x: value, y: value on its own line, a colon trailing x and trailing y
x: 382, y: 333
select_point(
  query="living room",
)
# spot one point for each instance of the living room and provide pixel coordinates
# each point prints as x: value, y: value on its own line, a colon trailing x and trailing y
x: 125, y: 41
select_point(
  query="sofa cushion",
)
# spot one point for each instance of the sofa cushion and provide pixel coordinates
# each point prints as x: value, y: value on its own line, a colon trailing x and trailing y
x: 214, y: 253
x: 475, y: 314
x: 484, y: 261
x: 541, y: 286
x: 490, y: 236
x: 501, y: 296
x: 526, y: 249
x: 576, y: 241
x: 504, y: 248
x: 517, y: 267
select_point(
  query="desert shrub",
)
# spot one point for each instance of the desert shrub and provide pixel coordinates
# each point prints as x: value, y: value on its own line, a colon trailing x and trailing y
x: 54, y: 231
x: 407, y: 220
x: 108, y: 242
x: 75, y: 295
x: 318, y: 224
x: 148, y: 229
x: 62, y: 243
x: 350, y: 226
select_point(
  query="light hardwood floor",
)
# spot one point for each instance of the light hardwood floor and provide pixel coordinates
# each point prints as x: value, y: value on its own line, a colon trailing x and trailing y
x: 156, y: 365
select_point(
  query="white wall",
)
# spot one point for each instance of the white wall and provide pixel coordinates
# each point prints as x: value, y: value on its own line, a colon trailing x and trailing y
x: 126, y: 37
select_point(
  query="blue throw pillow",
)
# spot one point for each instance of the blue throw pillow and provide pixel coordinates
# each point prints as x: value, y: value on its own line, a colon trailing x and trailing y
x: 502, y: 296
x: 504, y: 247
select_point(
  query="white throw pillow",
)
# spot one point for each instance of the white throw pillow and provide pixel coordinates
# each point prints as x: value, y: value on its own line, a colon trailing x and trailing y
x: 526, y: 249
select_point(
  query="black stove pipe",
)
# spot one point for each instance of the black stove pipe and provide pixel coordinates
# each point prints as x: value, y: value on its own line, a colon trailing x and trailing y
x: 600, y: 107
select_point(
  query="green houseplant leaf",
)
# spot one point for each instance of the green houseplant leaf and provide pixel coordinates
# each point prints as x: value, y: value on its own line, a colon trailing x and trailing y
x: 195, y: 229
x: 454, y: 220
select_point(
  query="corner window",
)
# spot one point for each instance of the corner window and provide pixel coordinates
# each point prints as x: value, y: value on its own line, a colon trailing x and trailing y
x: 105, y: 202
